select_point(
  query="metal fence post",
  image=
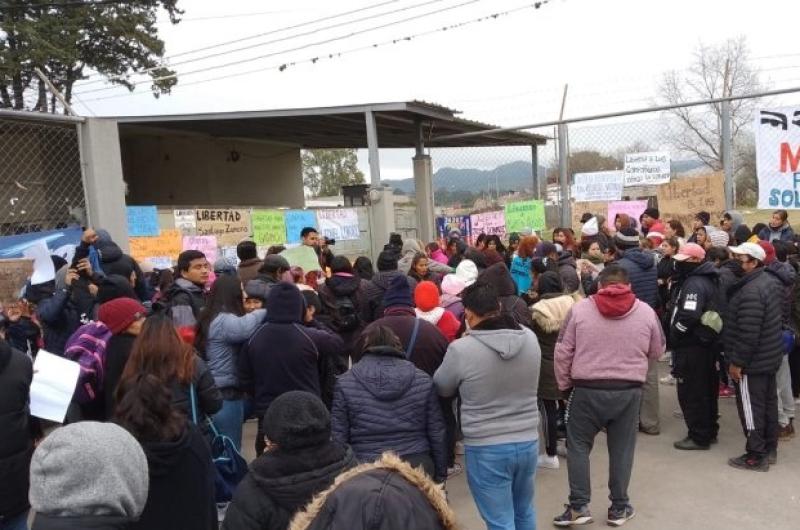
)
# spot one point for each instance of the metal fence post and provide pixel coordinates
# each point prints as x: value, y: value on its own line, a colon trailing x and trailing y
x: 727, y: 153
x: 537, y: 190
x: 563, y: 173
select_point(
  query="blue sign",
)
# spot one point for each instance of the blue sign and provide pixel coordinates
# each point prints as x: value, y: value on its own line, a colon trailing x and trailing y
x: 12, y: 246
x: 296, y: 220
x: 143, y: 221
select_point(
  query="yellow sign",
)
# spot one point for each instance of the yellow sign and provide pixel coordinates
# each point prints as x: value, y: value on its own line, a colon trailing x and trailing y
x: 168, y: 244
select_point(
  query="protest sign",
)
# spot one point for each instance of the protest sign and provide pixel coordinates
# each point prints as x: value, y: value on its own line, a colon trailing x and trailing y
x: 205, y: 244
x: 185, y: 221
x: 489, y: 223
x: 14, y: 246
x: 524, y: 214
x: 303, y: 257
x: 633, y: 208
x: 295, y: 221
x: 229, y: 253
x: 54, y: 382
x: 446, y: 224
x: 167, y: 244
x: 681, y: 199
x: 642, y: 169
x: 13, y: 275
x: 229, y: 225
x: 580, y: 208
x: 598, y: 186
x: 778, y: 158
x: 161, y: 262
x: 142, y: 221
x: 340, y: 224
x: 269, y: 227
x: 44, y: 269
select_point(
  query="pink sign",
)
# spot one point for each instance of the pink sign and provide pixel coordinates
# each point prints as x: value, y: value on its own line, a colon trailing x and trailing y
x: 205, y: 244
x: 489, y: 223
x: 633, y: 208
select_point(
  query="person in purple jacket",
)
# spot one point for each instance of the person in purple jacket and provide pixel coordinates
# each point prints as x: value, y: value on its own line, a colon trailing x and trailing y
x: 606, y: 379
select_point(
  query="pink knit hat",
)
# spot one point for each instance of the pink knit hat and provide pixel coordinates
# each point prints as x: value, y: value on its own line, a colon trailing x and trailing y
x: 453, y: 285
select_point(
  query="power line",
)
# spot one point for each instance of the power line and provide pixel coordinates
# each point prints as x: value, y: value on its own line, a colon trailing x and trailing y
x: 274, y: 41
x: 313, y: 60
x: 299, y: 48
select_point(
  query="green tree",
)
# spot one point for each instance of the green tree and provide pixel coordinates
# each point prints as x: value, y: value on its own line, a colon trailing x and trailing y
x: 66, y: 40
x: 325, y: 171
x: 585, y: 161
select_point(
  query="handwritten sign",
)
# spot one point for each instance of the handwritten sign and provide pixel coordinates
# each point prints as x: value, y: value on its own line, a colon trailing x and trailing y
x: 229, y: 225
x: 13, y: 275
x: 580, y: 208
x: 598, y: 186
x: 642, y: 169
x: 633, y: 208
x: 269, y: 228
x: 340, y: 224
x: 778, y: 158
x: 303, y: 257
x: 161, y: 262
x: 142, y: 221
x: 489, y: 223
x: 295, y: 221
x: 681, y: 199
x: 205, y: 244
x: 185, y: 221
x: 167, y: 244
x: 524, y: 214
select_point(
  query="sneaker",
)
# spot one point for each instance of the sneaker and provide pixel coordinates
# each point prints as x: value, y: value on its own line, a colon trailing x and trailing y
x: 548, y: 462
x: 667, y: 380
x: 772, y: 457
x: 621, y: 515
x: 687, y: 444
x: 457, y: 469
x: 667, y: 357
x: 726, y: 392
x: 561, y: 450
x: 677, y: 413
x: 785, y: 433
x: 652, y: 431
x: 573, y: 517
x: 749, y: 462
x: 460, y: 448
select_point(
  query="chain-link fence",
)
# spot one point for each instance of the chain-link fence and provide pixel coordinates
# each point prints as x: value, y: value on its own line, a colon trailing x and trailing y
x: 41, y: 185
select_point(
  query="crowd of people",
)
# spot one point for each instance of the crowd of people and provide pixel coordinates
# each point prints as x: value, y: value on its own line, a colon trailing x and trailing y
x: 366, y: 382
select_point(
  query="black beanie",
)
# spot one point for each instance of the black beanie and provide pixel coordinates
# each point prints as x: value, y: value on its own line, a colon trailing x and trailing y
x: 297, y: 419
x: 627, y: 238
x: 549, y: 282
x: 652, y: 212
x: 398, y: 293
x: 285, y: 304
x: 387, y: 261
x: 114, y: 286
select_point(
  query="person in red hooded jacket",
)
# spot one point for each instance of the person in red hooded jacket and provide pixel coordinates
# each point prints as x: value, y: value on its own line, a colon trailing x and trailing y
x: 426, y: 298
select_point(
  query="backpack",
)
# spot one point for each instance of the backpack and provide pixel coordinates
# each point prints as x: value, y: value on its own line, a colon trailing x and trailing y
x: 87, y: 347
x: 345, y: 316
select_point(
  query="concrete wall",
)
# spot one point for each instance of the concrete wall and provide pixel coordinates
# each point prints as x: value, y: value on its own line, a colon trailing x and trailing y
x: 177, y: 169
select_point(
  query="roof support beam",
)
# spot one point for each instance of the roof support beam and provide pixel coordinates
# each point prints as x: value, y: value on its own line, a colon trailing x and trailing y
x: 372, y: 145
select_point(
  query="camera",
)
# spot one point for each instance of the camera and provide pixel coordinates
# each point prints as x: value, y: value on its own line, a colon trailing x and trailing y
x: 329, y: 241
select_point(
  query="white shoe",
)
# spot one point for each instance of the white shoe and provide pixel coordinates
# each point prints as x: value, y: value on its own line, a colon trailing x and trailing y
x: 677, y: 413
x: 548, y: 462
x: 561, y: 450
x: 667, y: 380
x: 667, y: 357
x: 460, y: 448
x: 457, y: 469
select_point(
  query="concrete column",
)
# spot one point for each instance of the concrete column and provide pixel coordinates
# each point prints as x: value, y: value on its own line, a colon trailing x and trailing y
x: 381, y: 218
x: 423, y: 184
x: 372, y: 145
x: 102, y: 178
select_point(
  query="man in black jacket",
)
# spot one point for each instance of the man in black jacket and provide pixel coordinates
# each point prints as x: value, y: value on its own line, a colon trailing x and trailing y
x: 375, y: 289
x: 754, y: 345
x: 186, y: 297
x: 694, y: 346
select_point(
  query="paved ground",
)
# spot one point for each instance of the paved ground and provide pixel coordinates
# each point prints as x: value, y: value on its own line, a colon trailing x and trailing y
x: 669, y: 489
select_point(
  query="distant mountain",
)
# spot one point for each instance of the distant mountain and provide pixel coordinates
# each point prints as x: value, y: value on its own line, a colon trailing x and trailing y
x: 513, y: 176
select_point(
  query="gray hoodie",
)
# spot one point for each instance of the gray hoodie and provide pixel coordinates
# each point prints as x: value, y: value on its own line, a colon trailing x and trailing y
x: 410, y: 249
x: 496, y: 373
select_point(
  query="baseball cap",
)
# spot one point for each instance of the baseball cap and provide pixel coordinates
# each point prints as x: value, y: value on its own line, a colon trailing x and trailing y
x: 690, y: 250
x: 750, y: 249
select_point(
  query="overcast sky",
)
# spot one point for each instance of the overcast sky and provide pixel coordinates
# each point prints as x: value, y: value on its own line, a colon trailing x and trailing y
x: 507, y: 71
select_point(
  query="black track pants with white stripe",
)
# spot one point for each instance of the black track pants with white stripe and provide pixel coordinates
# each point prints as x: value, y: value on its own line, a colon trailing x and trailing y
x: 757, y: 401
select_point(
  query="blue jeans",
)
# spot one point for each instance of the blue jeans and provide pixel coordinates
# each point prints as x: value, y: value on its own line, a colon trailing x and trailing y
x: 501, y: 480
x: 229, y: 420
x: 20, y: 522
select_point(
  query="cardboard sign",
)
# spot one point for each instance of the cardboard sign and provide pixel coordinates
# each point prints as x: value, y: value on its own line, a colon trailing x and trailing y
x: 303, y: 257
x: 598, y: 186
x: 340, y: 224
x: 778, y: 158
x: 632, y: 208
x: 229, y: 225
x: 580, y: 208
x: 489, y: 223
x: 681, y: 199
x: 295, y: 221
x: 142, y: 221
x: 13, y: 275
x: 169, y: 243
x: 524, y: 214
x: 185, y: 221
x: 205, y: 244
x: 643, y: 169
x: 269, y: 227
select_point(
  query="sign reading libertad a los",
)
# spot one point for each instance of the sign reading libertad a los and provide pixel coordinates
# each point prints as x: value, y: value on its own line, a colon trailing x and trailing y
x: 778, y: 157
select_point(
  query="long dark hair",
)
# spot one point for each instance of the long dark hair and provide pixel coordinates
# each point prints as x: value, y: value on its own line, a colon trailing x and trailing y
x: 225, y: 297
x: 159, y: 350
x: 363, y: 268
x: 412, y: 271
x: 497, y: 243
x: 144, y: 408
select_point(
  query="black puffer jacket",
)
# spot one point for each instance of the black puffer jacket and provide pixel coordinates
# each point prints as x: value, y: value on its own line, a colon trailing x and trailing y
x: 352, y: 288
x: 699, y: 292
x: 16, y: 443
x: 60, y: 318
x: 374, y: 290
x: 641, y: 268
x: 568, y: 270
x: 499, y: 276
x: 752, y: 324
x: 282, y: 482
x: 785, y: 276
x: 385, y: 403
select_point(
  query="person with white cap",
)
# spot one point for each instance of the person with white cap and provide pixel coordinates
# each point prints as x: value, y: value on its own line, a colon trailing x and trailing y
x: 753, y: 343
x: 695, y: 325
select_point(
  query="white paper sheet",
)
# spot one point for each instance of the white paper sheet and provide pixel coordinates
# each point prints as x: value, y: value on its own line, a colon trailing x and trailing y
x: 54, y: 381
x: 43, y: 268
